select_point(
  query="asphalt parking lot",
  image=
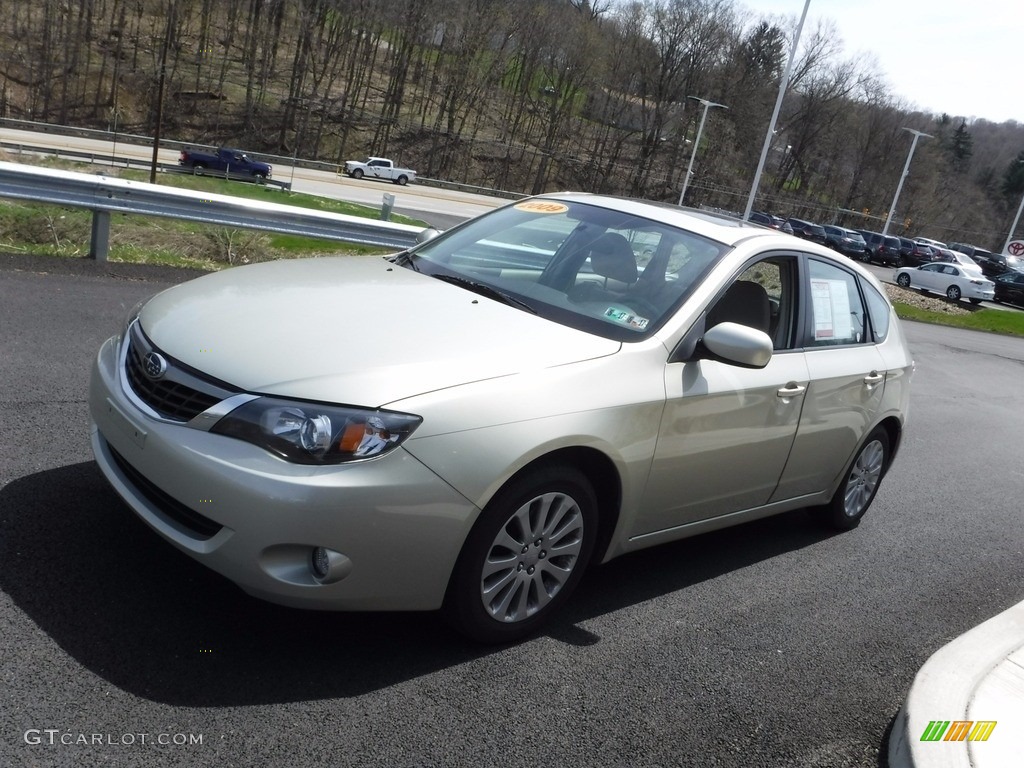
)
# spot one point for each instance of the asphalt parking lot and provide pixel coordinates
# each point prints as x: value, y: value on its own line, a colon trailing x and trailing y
x: 772, y: 644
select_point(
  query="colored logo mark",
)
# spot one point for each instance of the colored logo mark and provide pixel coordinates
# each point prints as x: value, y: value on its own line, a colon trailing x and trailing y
x: 958, y: 730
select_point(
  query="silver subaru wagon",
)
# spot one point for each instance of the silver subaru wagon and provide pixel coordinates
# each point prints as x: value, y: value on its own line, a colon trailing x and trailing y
x: 468, y: 424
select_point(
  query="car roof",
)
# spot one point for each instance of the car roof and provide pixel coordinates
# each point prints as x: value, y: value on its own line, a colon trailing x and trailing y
x: 721, y: 227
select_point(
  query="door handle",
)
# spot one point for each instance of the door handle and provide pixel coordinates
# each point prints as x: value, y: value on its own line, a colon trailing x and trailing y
x: 792, y: 390
x: 874, y: 378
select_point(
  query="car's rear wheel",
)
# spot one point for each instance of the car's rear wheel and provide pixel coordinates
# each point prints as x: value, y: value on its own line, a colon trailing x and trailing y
x: 524, y: 556
x: 953, y: 293
x: 402, y: 181
x: 860, y: 484
x: 903, y: 280
x: 198, y: 168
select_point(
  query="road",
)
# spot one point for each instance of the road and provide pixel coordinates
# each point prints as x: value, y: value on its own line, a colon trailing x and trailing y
x: 440, y: 207
x: 772, y: 644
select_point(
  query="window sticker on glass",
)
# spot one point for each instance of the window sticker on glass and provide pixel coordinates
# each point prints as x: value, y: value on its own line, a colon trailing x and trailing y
x: 831, y: 310
x: 541, y: 206
x: 625, y: 317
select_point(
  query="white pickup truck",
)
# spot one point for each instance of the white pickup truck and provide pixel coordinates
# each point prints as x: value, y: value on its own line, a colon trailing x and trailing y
x: 379, y: 168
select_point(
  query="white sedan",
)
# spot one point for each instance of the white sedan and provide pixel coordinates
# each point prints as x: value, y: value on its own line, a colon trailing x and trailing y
x: 467, y: 424
x: 953, y: 280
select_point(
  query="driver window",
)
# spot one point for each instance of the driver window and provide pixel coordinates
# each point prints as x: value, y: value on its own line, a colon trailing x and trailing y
x: 762, y: 297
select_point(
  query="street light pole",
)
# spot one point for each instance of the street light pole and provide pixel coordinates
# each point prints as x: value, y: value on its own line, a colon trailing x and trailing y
x: 906, y: 172
x: 775, y: 115
x: 696, y: 142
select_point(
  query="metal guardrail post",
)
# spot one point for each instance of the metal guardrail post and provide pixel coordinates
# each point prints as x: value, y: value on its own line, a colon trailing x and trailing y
x: 387, y: 207
x: 99, y: 244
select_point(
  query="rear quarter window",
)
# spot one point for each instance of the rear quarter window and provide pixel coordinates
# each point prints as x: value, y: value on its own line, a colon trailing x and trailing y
x: 878, y: 312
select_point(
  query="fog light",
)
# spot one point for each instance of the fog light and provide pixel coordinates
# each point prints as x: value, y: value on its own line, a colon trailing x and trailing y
x: 328, y: 566
x: 321, y: 563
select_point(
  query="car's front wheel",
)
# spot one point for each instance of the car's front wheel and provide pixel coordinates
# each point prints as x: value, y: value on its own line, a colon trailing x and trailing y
x: 857, y: 491
x: 524, y: 556
x: 903, y: 280
x: 357, y: 174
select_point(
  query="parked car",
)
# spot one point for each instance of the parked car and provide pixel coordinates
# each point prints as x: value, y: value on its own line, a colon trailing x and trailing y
x: 884, y: 249
x: 1010, y: 288
x: 953, y: 280
x: 534, y: 397
x: 968, y: 264
x: 929, y: 241
x: 848, y: 242
x: 1001, y: 263
x: 915, y: 254
x: 808, y: 230
x: 992, y: 264
x: 770, y: 220
x: 379, y: 168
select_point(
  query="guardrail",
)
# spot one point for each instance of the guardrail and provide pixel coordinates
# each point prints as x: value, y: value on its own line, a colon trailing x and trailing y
x: 104, y: 195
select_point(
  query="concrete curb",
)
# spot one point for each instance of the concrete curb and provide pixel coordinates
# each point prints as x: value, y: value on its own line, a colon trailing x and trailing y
x: 977, y: 676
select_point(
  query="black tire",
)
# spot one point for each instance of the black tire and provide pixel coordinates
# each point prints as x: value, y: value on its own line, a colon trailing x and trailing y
x: 953, y: 293
x: 860, y: 483
x: 903, y: 280
x: 260, y: 177
x: 899, y: 262
x: 357, y: 174
x: 402, y: 181
x: 498, y: 594
x: 198, y: 168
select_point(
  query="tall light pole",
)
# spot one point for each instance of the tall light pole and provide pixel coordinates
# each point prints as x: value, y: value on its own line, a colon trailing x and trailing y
x: 775, y: 114
x: 906, y: 172
x: 696, y: 142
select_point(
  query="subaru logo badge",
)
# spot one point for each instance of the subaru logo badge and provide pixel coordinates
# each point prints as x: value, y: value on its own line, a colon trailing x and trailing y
x: 154, y: 365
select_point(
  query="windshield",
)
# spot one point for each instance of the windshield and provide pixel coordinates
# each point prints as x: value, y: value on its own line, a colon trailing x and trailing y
x: 585, y: 266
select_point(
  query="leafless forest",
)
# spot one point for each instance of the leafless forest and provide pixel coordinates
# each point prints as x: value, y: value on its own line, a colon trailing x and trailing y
x: 524, y: 95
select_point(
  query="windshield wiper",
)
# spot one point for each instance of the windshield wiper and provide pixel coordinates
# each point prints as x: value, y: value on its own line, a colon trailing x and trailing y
x: 486, y: 290
x: 404, y: 259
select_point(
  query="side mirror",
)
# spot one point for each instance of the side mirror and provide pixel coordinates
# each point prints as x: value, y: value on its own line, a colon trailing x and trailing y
x: 427, y: 234
x: 739, y: 344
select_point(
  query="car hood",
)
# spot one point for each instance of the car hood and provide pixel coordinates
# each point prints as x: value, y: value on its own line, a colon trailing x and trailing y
x: 354, y: 330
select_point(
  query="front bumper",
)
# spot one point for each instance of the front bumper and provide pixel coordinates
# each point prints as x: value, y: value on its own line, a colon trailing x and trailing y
x: 255, y: 518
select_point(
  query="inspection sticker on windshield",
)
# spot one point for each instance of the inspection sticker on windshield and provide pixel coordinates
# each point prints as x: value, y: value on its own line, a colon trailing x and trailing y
x: 625, y: 317
x: 541, y: 206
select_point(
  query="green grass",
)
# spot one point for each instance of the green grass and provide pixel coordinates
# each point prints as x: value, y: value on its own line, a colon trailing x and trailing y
x: 990, y: 320
x: 53, y: 230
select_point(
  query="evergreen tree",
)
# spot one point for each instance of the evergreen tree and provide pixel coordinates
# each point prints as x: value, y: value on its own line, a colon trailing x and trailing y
x: 961, y: 147
x: 1013, y: 177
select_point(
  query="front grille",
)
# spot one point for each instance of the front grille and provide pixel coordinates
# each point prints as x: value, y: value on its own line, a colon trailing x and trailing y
x: 180, y: 394
x: 186, y: 519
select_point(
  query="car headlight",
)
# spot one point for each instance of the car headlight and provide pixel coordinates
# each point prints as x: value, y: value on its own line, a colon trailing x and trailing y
x: 314, y: 433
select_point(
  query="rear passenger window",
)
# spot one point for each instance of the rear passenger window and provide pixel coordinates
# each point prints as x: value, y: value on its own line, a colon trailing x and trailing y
x: 837, y: 313
x: 878, y: 310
